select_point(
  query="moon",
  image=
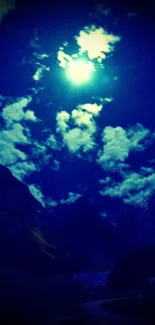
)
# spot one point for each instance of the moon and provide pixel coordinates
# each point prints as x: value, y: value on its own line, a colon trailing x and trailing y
x: 79, y: 71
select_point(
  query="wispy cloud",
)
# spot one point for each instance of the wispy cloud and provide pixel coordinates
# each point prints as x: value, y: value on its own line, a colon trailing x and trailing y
x: 55, y: 164
x: 36, y: 191
x: 72, y: 197
x: 40, y: 71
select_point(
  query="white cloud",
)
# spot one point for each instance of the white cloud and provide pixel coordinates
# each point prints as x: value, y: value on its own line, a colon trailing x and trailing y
x: 118, y: 143
x: 135, y: 188
x: 79, y: 127
x: 72, y: 197
x: 62, y: 119
x: 22, y: 168
x: 76, y: 139
x: 146, y: 170
x: 63, y: 58
x: 30, y: 116
x: 41, y: 56
x: 81, y: 136
x: 50, y: 203
x: 14, y: 112
x: 137, y: 135
x: 94, y: 109
x: 52, y: 142
x: 15, y: 134
x: 83, y: 119
x: 9, y: 154
x: 35, y: 190
x: 96, y: 42
x: 40, y: 71
x: 107, y: 99
x: 78, y: 70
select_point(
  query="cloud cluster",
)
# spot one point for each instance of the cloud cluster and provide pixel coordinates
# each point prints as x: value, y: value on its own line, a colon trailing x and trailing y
x: 135, y: 188
x: 15, y: 112
x: 9, y: 154
x: 22, y: 168
x: 16, y: 134
x: 96, y: 42
x: 78, y: 128
x: 118, y: 143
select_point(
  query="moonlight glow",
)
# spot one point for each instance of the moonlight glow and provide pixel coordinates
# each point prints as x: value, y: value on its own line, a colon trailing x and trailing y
x: 79, y: 71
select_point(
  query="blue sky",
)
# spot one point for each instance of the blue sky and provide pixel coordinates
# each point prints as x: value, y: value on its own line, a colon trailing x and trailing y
x: 66, y: 137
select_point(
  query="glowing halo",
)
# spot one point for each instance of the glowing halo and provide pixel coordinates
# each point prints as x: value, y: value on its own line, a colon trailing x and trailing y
x: 79, y: 71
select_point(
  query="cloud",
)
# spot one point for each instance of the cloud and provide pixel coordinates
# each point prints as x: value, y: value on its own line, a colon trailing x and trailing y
x: 39, y: 152
x: 56, y: 165
x: 104, y: 42
x: 78, y: 128
x: 76, y: 139
x: 90, y: 35
x: 15, y: 134
x: 5, y: 6
x: 63, y: 58
x: 52, y: 142
x: 62, y: 119
x: 40, y: 56
x: 35, y: 190
x: 72, y: 197
x: 40, y: 71
x: 22, y: 168
x: 135, y: 188
x: 83, y: 119
x: 9, y: 154
x: 15, y: 112
x: 94, y: 109
x: 118, y: 143
x: 30, y: 116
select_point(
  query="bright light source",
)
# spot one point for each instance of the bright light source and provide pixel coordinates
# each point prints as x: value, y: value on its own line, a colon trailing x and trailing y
x: 79, y: 71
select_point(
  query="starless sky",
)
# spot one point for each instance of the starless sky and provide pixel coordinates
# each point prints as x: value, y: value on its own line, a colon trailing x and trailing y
x: 77, y: 100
